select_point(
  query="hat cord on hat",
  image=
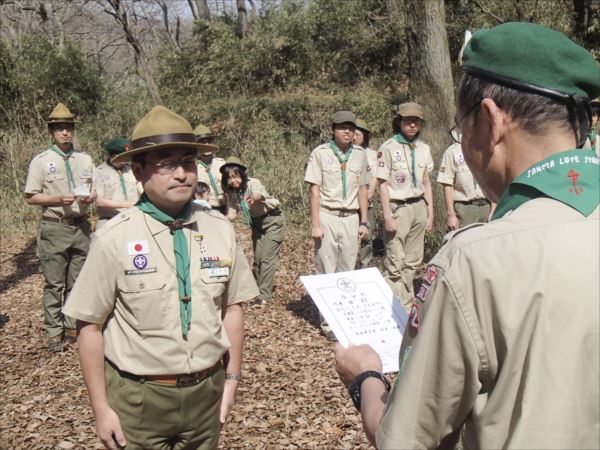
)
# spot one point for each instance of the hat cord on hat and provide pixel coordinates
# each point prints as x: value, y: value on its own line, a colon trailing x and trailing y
x: 577, y: 105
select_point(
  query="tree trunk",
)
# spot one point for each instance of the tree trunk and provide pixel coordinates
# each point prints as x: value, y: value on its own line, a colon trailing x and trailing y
x: 203, y: 11
x: 431, y: 82
x: 242, y: 16
x: 581, y: 8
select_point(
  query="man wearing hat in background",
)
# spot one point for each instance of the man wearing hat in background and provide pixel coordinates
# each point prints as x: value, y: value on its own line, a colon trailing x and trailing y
x: 60, y: 181
x: 158, y: 303
x: 465, y: 202
x: 209, y: 167
x: 505, y: 337
x: 115, y: 183
x: 404, y: 164
x: 338, y: 176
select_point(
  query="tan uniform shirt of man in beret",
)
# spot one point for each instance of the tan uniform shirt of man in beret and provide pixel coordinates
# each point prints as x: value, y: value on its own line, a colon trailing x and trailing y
x: 158, y: 303
x: 504, y: 335
x: 404, y: 164
x: 465, y: 202
x: 209, y: 168
x: 338, y: 176
x: 64, y: 232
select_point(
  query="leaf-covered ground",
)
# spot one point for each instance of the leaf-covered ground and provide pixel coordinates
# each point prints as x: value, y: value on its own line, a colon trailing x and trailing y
x: 291, y: 396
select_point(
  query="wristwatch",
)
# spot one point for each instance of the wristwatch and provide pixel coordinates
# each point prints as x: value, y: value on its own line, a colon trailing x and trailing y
x: 364, y: 224
x: 233, y: 376
x: 354, y: 388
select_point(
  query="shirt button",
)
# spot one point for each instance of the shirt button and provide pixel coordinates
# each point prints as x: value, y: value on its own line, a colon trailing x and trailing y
x: 192, y: 355
x: 142, y: 285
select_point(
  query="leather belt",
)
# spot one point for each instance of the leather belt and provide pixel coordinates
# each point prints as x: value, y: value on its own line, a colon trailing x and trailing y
x: 408, y: 201
x: 476, y: 202
x: 180, y: 380
x: 339, y: 212
x: 274, y: 212
x: 66, y: 220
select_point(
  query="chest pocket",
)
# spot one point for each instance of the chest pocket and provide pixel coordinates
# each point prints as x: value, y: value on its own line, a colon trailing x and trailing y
x: 52, y: 177
x: 145, y: 298
x: 109, y: 189
x: 399, y: 165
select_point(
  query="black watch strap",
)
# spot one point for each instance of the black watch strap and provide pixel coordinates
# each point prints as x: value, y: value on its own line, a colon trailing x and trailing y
x: 354, y: 388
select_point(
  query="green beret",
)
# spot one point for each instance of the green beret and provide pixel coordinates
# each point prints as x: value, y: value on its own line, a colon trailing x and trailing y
x: 530, y: 57
x: 117, y: 145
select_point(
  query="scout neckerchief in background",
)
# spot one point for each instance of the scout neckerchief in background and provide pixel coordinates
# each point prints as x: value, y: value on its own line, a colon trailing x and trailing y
x: 211, y: 177
x: 593, y: 139
x: 182, y: 256
x: 571, y: 177
x: 122, y: 181
x: 65, y: 157
x: 343, y: 159
x: 399, y: 137
x: 244, y: 207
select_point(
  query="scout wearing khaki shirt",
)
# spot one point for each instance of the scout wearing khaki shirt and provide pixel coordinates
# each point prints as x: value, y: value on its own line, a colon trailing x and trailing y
x: 63, y: 235
x: 262, y: 213
x: 209, y: 167
x: 338, y: 175
x: 115, y: 183
x: 465, y: 202
x: 157, y: 303
x: 504, y: 336
x: 403, y: 167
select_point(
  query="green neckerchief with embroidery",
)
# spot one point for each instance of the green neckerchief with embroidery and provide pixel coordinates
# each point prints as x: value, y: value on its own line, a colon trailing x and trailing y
x: 244, y: 207
x: 182, y: 256
x: 65, y: 157
x: 570, y: 177
x: 400, y: 138
x: 213, y: 181
x: 122, y: 181
x: 343, y: 159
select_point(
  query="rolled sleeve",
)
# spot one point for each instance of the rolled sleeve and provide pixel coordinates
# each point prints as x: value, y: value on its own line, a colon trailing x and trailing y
x: 314, y: 172
x: 384, y: 164
x: 35, y: 178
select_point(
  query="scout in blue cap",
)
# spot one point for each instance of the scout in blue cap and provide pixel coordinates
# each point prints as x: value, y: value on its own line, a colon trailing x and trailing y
x: 502, y: 341
x: 115, y: 183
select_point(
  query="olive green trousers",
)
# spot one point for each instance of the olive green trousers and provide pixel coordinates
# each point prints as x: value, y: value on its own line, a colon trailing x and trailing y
x: 267, y: 235
x: 472, y: 212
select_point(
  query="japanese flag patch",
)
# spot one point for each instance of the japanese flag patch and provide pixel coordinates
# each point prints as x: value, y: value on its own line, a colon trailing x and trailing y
x: 138, y: 248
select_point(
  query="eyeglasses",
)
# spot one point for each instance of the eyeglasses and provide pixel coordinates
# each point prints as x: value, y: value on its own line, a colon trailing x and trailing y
x: 166, y: 167
x: 455, y: 132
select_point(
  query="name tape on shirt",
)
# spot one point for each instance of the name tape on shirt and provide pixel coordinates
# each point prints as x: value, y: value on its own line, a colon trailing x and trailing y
x: 138, y: 248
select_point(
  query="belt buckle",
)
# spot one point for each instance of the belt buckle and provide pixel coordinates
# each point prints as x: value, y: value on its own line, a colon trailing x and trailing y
x: 189, y: 379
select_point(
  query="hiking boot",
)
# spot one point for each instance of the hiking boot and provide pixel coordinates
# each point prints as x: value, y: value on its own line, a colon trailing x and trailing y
x: 55, y: 344
x: 70, y: 336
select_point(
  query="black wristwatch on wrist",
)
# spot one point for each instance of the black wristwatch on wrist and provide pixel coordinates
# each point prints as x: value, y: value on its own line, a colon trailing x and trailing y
x: 364, y: 224
x: 354, y: 388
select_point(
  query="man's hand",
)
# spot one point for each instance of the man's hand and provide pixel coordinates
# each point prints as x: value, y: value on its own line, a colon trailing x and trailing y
x: 453, y: 222
x: 363, y: 232
x: 108, y: 429
x: 429, y: 225
x: 354, y: 360
x: 228, y: 399
x: 316, y: 232
x: 389, y: 224
x: 67, y: 199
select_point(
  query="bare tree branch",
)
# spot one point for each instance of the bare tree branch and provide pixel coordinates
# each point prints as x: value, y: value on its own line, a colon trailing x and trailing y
x: 485, y: 11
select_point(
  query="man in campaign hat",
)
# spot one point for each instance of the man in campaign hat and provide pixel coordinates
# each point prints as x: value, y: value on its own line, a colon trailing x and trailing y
x: 158, y: 303
x: 60, y: 181
x: 504, y: 336
x: 209, y: 167
x: 338, y: 177
x: 115, y: 183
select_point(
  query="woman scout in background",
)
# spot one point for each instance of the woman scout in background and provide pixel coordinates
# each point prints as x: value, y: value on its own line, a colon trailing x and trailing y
x: 465, y: 202
x: 362, y: 135
x: 403, y: 166
x: 261, y: 211
x: 592, y: 139
x: 115, y: 183
x: 208, y: 167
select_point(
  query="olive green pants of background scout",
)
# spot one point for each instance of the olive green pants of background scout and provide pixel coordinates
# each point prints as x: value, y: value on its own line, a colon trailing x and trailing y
x: 159, y: 416
x: 366, y: 246
x: 472, y: 212
x: 62, y: 250
x: 405, y: 249
x: 267, y: 235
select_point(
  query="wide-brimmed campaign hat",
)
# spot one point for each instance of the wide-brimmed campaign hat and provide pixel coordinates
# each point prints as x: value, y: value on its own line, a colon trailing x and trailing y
x: 162, y: 128
x: 61, y: 114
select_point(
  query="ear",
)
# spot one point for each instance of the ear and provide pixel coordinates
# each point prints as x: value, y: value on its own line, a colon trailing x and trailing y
x: 497, y: 120
x: 137, y: 170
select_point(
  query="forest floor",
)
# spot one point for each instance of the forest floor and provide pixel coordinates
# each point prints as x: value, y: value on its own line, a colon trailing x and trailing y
x: 291, y: 396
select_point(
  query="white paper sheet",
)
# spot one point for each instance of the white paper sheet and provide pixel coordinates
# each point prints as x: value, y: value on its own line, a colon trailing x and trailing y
x: 82, y: 191
x: 361, y: 309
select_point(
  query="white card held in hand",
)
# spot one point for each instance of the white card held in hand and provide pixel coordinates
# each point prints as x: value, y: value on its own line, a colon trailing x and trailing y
x: 83, y: 190
x: 360, y: 308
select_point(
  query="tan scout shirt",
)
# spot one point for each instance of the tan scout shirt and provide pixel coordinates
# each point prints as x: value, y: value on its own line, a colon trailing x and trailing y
x: 510, y: 339
x: 394, y: 165
x: 455, y: 172
x: 48, y: 175
x: 108, y: 185
x: 260, y: 208
x: 129, y: 283
x: 325, y: 170
x: 215, y: 168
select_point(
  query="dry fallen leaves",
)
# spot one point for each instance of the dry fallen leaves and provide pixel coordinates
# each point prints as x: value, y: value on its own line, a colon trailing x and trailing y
x: 291, y: 397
